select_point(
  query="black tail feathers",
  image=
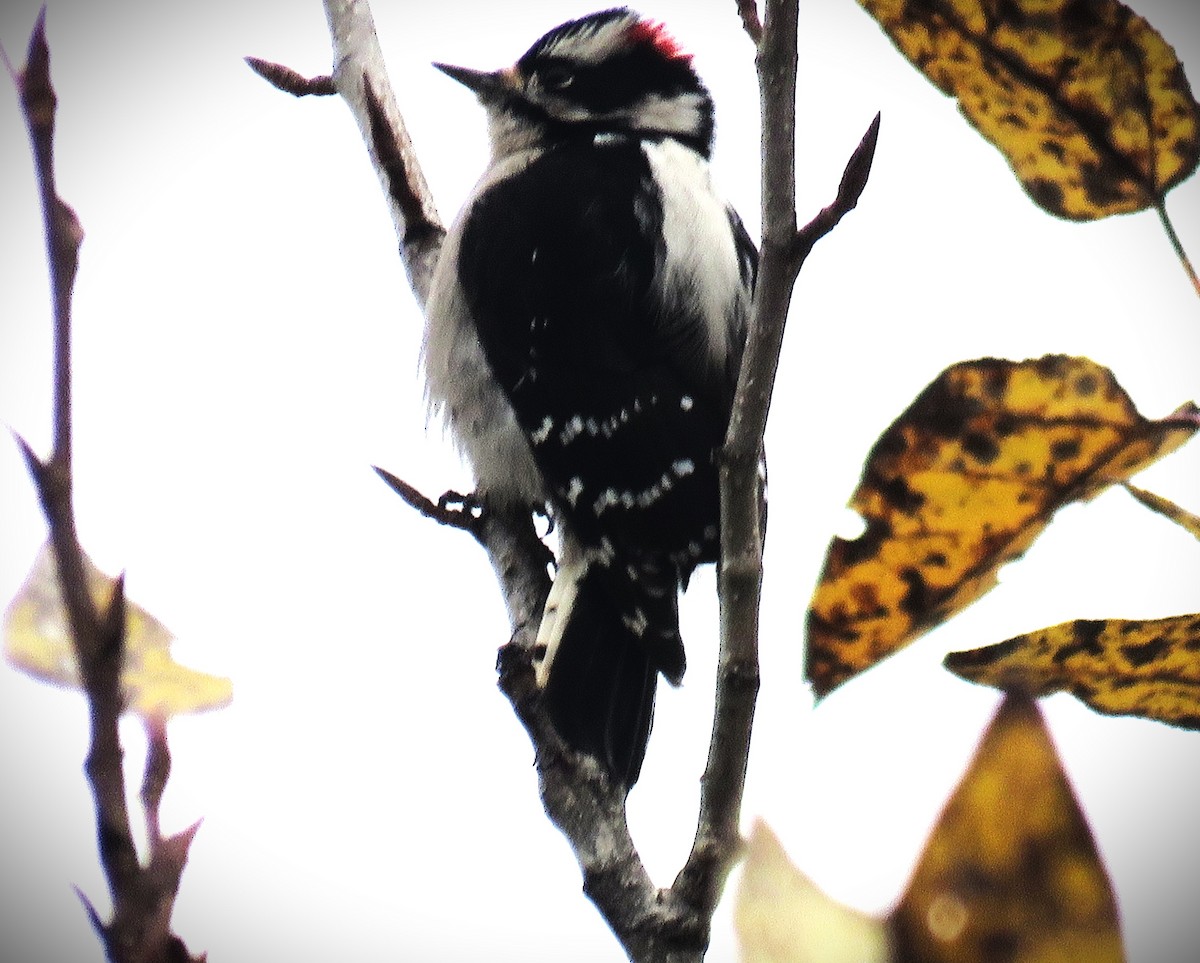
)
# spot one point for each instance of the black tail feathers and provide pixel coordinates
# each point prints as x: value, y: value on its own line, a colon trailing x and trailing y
x: 601, y: 684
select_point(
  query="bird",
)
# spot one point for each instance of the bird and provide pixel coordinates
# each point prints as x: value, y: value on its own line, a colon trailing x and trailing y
x: 585, y: 326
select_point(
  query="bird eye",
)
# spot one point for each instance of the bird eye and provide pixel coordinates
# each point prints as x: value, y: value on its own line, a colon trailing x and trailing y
x: 556, y: 78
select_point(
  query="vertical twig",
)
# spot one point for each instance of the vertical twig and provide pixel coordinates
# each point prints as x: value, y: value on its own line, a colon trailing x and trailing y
x: 740, y: 572
x: 140, y: 929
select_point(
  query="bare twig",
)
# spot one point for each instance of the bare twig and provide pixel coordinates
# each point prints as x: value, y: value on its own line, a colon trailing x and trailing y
x: 140, y: 928
x: 462, y: 518
x: 361, y: 78
x: 748, y: 11
x: 289, y: 81
x: 784, y: 250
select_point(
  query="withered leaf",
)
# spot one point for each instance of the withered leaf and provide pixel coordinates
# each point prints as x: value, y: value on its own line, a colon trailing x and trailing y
x: 963, y: 482
x: 782, y: 917
x: 1010, y: 872
x: 1122, y: 667
x: 1087, y: 102
x: 37, y: 641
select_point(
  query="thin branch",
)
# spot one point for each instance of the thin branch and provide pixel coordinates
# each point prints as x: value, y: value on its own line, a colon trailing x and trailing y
x: 140, y: 929
x: 784, y: 250
x: 289, y: 81
x: 462, y: 518
x: 361, y: 78
x: 748, y: 12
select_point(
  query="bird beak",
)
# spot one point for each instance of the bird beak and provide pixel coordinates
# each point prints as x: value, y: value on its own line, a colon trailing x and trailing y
x: 487, y: 86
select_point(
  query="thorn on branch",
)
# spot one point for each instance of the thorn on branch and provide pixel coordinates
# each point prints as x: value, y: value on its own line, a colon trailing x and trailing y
x: 112, y: 619
x: 93, y: 917
x: 850, y: 188
x: 33, y: 82
x: 858, y: 168
x: 457, y: 511
x: 748, y: 11
x: 289, y: 81
x: 33, y: 464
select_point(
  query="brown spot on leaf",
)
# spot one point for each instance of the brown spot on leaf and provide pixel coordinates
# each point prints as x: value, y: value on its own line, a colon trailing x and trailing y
x: 1065, y: 450
x: 1146, y: 652
x: 981, y: 447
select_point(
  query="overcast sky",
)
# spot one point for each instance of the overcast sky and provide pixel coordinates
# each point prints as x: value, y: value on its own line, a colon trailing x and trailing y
x: 247, y: 348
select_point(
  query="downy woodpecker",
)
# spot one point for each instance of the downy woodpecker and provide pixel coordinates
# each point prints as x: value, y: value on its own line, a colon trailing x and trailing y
x: 585, y: 327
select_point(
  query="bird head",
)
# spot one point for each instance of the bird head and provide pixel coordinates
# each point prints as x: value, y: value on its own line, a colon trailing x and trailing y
x: 612, y: 72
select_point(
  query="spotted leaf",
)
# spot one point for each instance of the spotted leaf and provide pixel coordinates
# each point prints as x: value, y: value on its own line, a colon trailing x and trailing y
x: 963, y: 482
x: 37, y: 640
x: 1020, y: 882
x: 1145, y: 668
x: 1087, y: 102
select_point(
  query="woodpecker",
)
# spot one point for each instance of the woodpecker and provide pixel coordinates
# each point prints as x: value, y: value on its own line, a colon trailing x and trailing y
x: 585, y: 326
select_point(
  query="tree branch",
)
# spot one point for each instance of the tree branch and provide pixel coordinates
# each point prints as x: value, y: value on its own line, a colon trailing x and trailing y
x: 783, y: 252
x: 289, y: 81
x: 140, y: 928
x: 360, y: 77
x: 748, y: 12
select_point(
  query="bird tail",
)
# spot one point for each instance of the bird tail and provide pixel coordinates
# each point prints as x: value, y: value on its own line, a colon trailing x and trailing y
x: 608, y: 630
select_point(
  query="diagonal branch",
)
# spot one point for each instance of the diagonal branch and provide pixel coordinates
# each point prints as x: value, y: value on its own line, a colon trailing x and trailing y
x: 360, y: 77
x: 748, y: 12
x: 289, y: 81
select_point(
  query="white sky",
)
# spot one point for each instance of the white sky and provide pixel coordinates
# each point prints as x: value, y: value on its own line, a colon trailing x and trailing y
x: 247, y: 347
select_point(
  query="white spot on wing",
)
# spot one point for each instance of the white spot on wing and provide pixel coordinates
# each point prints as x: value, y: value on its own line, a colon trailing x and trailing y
x: 571, y: 430
x: 543, y: 431
x: 574, y: 490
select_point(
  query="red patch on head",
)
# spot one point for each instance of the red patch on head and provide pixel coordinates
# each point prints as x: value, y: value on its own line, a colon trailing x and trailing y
x: 656, y: 34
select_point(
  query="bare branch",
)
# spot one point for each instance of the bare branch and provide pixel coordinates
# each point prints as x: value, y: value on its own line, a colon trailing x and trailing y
x: 289, y: 81
x: 462, y: 518
x: 783, y: 253
x: 854, y: 180
x: 748, y: 11
x: 361, y: 78
x: 140, y: 929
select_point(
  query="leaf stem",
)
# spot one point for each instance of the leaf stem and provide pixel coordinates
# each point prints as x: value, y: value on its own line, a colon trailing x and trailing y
x: 1161, y: 207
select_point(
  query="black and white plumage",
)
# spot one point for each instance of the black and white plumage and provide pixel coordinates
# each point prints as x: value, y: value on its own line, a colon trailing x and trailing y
x: 585, y: 326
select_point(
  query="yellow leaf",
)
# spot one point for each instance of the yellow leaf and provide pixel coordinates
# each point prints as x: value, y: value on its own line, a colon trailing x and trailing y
x: 782, y: 917
x: 963, y: 482
x: 1010, y: 871
x: 37, y: 640
x: 1166, y: 508
x: 1148, y: 668
x: 1087, y: 102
